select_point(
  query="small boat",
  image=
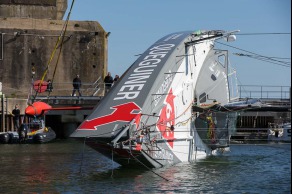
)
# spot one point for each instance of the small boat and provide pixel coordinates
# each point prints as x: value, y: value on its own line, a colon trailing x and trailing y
x: 34, y: 132
x: 279, y: 132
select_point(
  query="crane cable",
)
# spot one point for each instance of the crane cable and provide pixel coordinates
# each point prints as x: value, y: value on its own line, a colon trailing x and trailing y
x: 62, y: 41
x: 58, y: 44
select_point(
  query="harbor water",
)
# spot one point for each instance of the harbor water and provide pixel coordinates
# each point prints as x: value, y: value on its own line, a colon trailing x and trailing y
x: 67, y: 166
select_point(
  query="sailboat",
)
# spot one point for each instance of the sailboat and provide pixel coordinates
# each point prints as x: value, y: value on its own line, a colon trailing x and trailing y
x: 172, y: 105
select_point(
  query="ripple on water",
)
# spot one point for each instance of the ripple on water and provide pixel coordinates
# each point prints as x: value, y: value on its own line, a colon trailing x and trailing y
x: 66, y: 166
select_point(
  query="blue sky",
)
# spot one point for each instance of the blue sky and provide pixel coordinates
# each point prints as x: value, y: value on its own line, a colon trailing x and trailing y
x: 136, y: 24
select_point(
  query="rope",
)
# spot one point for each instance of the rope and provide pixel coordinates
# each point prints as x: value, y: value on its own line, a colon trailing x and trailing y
x: 112, y: 175
x: 80, y: 171
x: 147, y: 167
x: 60, y: 39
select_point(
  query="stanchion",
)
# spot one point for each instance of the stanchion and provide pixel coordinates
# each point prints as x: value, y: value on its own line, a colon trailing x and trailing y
x: 2, y: 113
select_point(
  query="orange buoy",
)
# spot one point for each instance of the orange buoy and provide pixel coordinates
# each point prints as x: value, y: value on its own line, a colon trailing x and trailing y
x: 40, y: 86
x: 37, y: 109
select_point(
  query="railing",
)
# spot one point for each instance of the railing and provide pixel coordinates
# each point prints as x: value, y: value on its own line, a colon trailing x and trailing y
x: 265, y: 92
x: 97, y: 86
x: 7, y: 123
x: 65, y: 89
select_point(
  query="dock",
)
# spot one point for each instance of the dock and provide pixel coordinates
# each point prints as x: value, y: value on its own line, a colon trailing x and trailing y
x: 251, y: 125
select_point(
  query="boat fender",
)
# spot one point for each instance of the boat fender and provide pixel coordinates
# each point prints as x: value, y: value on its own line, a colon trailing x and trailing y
x: 4, y: 138
x: 139, y: 147
x: 22, y: 132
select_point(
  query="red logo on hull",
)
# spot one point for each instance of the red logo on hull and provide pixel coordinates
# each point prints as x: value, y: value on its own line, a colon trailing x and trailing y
x: 166, y: 120
x: 121, y: 113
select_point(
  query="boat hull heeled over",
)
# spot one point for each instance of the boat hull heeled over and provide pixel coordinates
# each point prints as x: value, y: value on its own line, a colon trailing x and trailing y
x: 165, y: 109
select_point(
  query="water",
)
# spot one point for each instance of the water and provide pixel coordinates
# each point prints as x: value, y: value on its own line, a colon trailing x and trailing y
x: 66, y: 166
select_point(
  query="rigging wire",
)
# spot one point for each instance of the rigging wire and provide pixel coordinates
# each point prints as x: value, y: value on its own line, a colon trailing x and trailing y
x: 259, y: 57
x: 281, y: 58
x: 266, y: 59
x: 265, y: 33
x: 271, y: 58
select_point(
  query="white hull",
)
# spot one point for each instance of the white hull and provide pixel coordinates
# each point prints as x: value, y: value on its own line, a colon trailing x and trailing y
x: 149, y: 116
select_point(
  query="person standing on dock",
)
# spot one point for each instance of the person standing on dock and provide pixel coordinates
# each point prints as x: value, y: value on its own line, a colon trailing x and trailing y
x: 108, y: 81
x: 116, y: 79
x: 76, y: 85
x: 16, y: 116
x: 49, y: 86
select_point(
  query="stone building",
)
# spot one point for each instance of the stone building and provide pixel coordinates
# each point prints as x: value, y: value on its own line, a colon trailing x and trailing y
x: 29, y: 31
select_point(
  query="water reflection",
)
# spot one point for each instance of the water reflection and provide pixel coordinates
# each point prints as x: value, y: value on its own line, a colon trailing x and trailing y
x: 69, y: 167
